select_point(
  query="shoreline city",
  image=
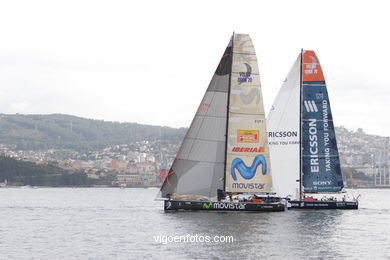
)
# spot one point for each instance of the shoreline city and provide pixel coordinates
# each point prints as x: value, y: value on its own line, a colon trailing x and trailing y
x: 364, y: 159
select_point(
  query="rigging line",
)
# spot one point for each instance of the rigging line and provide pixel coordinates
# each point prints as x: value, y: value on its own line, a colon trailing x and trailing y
x: 318, y: 120
x: 250, y: 86
x: 210, y: 116
x: 251, y: 114
x: 204, y: 139
x: 208, y: 162
x: 252, y: 73
x: 244, y: 53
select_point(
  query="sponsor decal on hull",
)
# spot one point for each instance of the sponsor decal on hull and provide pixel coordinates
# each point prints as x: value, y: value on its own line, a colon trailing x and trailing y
x: 224, y: 205
x: 207, y: 205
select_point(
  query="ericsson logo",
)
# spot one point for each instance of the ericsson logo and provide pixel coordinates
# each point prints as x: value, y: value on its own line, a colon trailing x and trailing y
x: 310, y: 106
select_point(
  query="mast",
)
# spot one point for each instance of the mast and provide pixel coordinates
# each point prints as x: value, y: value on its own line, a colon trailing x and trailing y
x: 300, y: 127
x: 227, y: 117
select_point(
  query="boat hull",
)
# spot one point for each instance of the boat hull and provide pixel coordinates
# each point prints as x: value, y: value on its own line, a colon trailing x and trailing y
x: 183, y: 205
x: 300, y: 204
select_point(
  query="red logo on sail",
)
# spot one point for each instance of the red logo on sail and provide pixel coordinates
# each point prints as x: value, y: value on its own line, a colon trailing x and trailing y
x: 247, y: 136
x: 166, y: 176
x: 260, y: 149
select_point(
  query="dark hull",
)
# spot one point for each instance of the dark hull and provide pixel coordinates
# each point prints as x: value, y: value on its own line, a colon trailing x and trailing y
x: 184, y: 205
x: 299, y: 204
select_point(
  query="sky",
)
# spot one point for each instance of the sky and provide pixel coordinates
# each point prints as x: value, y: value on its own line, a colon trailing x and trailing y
x: 150, y: 62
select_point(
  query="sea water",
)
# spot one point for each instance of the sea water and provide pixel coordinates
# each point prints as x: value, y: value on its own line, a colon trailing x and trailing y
x: 111, y: 223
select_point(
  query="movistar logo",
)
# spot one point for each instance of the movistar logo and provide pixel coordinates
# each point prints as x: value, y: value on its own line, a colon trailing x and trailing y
x: 207, y: 205
x: 310, y: 106
x: 248, y: 172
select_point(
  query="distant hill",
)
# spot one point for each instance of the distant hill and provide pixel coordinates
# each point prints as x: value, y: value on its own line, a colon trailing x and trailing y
x: 35, y: 132
x: 27, y: 173
x: 41, y: 132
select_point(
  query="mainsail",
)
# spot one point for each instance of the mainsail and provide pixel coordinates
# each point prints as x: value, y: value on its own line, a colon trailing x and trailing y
x: 320, y: 157
x: 225, y: 147
x: 248, y: 164
x: 301, y: 132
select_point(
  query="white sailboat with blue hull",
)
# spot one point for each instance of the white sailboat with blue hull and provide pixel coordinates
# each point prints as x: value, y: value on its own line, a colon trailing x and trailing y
x: 223, y: 163
x: 304, y: 155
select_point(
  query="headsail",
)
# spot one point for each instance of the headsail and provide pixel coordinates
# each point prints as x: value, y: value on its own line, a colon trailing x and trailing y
x: 199, y: 165
x: 284, y: 132
x: 320, y: 157
x: 248, y: 163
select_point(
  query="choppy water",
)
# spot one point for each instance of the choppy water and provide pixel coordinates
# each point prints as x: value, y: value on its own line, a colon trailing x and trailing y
x: 62, y: 223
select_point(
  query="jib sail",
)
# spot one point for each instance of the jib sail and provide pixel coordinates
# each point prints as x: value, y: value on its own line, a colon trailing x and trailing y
x: 284, y: 134
x: 199, y: 165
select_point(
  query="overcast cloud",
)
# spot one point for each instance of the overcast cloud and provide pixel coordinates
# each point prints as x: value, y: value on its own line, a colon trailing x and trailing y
x: 151, y: 61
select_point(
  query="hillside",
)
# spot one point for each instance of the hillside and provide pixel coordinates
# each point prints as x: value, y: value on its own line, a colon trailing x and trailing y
x: 58, y: 131
x: 38, y: 132
x: 105, y: 149
x: 26, y: 173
